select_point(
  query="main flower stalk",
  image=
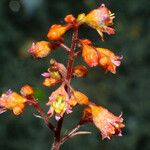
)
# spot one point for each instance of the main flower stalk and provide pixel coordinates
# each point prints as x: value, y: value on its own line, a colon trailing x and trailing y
x: 57, y: 137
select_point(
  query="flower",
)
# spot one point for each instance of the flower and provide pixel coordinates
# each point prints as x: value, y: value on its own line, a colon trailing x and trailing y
x: 40, y: 49
x: 108, y: 60
x: 81, y: 98
x: 26, y: 90
x: 50, y: 81
x: 58, y: 102
x: 106, y: 122
x: 12, y: 101
x: 54, y: 74
x: 80, y: 71
x: 99, y: 19
x: 89, y: 53
x: 56, y: 31
x: 78, y: 98
x: 70, y: 19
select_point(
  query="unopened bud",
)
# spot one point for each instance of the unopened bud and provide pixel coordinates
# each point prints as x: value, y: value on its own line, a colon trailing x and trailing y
x: 49, y: 82
x: 40, y: 49
x: 26, y: 90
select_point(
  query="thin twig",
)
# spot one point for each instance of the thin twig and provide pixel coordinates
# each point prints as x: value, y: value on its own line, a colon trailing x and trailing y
x: 73, y: 133
x: 36, y: 105
x: 63, y: 45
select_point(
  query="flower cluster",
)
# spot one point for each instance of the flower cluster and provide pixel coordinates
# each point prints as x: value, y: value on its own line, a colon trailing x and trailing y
x: 103, y: 57
x: 65, y: 97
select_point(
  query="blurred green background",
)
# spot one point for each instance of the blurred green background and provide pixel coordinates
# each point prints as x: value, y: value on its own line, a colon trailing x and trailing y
x: 25, y: 21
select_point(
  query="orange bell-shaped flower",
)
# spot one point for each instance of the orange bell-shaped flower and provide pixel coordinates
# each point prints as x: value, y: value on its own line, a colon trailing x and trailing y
x: 108, y: 60
x: 106, y: 122
x: 12, y: 101
x: 99, y: 19
x: 59, y: 103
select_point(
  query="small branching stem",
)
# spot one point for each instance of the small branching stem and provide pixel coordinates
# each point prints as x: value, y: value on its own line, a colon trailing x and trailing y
x: 36, y: 105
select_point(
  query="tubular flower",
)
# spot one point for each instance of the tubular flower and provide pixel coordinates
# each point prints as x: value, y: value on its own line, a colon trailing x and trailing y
x: 99, y: 19
x: 12, y: 101
x: 108, y: 60
x: 59, y: 103
x: 56, y: 31
x: 40, y: 49
x: 89, y: 54
x: 106, y: 122
x: 80, y: 71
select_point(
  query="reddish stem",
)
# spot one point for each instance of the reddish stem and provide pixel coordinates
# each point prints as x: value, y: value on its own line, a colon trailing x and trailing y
x: 59, y: 43
x: 57, y: 141
x: 36, y: 105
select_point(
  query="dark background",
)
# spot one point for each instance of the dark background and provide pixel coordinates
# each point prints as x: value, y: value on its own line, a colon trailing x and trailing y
x: 25, y: 21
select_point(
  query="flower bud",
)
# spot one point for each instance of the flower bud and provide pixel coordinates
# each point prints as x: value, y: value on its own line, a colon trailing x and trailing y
x: 40, y: 49
x: 72, y: 101
x: 56, y: 31
x: 80, y: 71
x: 70, y: 19
x: 26, y: 90
x: 49, y: 82
x: 80, y: 98
x: 89, y: 55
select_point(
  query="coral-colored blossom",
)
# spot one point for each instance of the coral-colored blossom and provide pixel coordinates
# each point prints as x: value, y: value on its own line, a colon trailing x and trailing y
x: 89, y: 54
x: 12, y: 101
x: 59, y: 103
x: 99, y: 19
x: 40, y: 49
x: 106, y: 122
x: 56, y: 31
x: 108, y: 60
